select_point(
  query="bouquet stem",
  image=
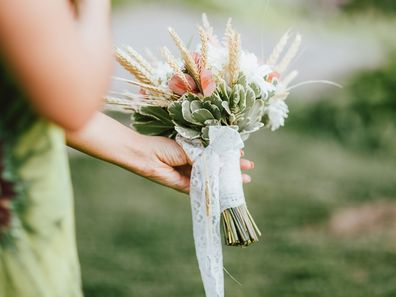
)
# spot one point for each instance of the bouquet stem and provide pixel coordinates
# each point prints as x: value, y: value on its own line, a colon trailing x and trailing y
x: 239, y: 227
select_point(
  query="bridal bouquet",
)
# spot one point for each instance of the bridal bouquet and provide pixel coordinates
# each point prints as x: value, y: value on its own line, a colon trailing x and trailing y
x: 210, y: 99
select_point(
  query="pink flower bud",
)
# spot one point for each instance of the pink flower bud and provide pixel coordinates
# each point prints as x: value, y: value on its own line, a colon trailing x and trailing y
x: 177, y: 85
x: 273, y: 75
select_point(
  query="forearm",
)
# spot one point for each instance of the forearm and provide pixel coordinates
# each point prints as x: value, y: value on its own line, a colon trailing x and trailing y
x: 107, y: 139
x: 155, y: 158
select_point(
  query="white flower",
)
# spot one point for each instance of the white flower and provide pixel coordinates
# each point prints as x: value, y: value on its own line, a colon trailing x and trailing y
x: 162, y: 73
x: 277, y: 111
x: 249, y: 65
x: 255, y: 72
x: 217, y: 58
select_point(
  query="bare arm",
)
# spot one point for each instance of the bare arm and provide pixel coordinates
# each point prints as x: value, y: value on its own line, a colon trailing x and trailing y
x: 63, y: 66
x: 151, y: 157
x: 157, y: 158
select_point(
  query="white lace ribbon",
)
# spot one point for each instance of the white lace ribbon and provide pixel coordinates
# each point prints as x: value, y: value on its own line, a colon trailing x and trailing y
x: 216, y: 184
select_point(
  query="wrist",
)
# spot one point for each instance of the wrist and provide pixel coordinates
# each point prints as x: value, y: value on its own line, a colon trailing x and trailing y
x: 135, y: 153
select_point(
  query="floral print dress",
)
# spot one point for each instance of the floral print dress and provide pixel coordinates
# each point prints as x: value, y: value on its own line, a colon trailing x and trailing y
x: 38, y: 255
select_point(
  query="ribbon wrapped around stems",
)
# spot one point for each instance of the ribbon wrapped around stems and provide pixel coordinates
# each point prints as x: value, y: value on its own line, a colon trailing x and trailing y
x: 216, y: 185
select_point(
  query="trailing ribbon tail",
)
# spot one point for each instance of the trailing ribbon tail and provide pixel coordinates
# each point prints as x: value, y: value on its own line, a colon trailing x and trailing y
x: 215, y: 183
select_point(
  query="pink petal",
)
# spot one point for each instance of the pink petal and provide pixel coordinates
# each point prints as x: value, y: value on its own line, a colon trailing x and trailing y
x: 198, y: 60
x: 273, y: 75
x: 177, y: 86
x: 208, y: 83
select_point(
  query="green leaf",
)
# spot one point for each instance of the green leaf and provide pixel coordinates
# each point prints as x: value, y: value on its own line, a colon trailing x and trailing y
x: 190, y: 97
x: 202, y: 115
x: 156, y: 112
x: 257, y: 111
x: 256, y: 89
x: 187, y: 132
x: 253, y: 116
x: 205, y: 133
x: 195, y: 105
x: 242, y: 79
x: 215, y: 99
x: 153, y: 128
x: 252, y: 128
x: 215, y: 111
x: 138, y: 117
x: 250, y: 98
x: 226, y: 107
x: 175, y: 112
x: 236, y: 96
x: 187, y: 115
x: 224, y: 91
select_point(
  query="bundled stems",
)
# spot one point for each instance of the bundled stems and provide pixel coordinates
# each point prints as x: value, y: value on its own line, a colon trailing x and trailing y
x: 239, y: 227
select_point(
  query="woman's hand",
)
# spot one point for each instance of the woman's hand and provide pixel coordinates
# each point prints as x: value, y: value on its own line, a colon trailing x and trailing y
x: 157, y: 158
x: 162, y: 160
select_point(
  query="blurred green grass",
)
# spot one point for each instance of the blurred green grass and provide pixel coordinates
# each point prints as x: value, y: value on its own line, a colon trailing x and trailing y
x: 135, y: 237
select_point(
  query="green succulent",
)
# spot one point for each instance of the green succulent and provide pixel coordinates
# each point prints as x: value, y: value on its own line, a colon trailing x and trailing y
x: 153, y: 120
x: 239, y: 106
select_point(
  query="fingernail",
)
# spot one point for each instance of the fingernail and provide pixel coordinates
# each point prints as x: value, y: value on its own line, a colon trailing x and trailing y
x: 252, y: 164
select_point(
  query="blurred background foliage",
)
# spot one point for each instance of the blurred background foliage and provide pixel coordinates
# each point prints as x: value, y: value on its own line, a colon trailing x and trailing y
x: 361, y: 116
x: 323, y: 190
x: 382, y: 6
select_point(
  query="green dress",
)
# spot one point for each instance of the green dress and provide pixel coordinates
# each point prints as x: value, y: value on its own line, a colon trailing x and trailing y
x: 38, y: 255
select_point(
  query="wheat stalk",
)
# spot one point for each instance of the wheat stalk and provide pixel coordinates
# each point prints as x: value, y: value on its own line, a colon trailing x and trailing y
x: 133, y: 105
x: 290, y: 54
x: 125, y: 104
x: 152, y: 58
x: 171, y: 60
x: 234, y: 48
x: 140, y: 99
x: 190, y: 65
x: 209, y: 29
x: 228, y: 31
x: 147, y: 87
x: 117, y: 101
x: 142, y: 61
x: 158, y: 102
x: 132, y: 67
x: 206, y: 25
x: 289, y: 78
x: 278, y: 49
x: 321, y: 81
x: 233, y: 41
x: 204, y: 47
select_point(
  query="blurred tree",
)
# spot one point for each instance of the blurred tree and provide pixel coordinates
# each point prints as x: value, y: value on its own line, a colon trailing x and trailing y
x: 362, y: 116
x: 383, y: 6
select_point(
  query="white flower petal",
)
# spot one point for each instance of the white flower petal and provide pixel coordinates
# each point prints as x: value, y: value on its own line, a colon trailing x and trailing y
x: 277, y: 111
